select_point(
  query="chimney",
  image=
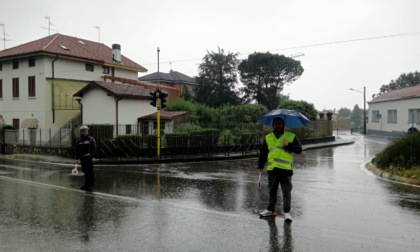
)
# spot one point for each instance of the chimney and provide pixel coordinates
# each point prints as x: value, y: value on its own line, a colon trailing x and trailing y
x: 116, y: 53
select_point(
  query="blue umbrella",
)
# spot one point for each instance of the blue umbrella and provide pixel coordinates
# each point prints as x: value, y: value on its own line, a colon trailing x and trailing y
x: 292, y: 118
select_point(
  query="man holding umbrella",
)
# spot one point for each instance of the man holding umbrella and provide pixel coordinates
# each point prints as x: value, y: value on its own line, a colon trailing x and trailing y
x: 277, y: 152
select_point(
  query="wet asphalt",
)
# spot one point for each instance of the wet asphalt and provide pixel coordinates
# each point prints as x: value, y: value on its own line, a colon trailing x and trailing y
x: 337, y: 205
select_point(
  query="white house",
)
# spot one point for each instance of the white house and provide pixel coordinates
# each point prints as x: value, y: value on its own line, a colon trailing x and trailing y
x: 121, y: 102
x: 395, y: 113
x: 38, y: 79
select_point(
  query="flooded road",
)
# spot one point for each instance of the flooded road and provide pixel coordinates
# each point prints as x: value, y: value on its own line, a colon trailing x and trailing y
x: 337, y: 205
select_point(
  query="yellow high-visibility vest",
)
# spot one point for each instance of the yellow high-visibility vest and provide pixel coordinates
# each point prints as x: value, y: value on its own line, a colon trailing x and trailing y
x: 277, y: 155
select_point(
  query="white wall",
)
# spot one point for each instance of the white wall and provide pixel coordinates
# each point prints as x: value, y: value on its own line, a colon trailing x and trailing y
x: 40, y: 107
x: 24, y: 106
x: 99, y: 108
x: 402, y: 107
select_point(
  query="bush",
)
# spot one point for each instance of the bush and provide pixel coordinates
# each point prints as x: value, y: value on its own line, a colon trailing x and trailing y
x: 8, y: 127
x: 402, y: 154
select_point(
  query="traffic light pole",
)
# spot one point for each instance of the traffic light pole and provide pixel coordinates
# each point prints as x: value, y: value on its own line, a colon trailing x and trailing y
x: 158, y: 101
x: 158, y: 121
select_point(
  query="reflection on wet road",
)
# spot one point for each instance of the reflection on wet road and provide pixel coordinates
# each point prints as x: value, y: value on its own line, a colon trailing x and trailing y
x: 337, y: 206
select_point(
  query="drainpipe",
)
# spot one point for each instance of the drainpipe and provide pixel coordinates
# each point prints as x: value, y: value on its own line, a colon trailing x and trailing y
x: 117, y: 99
x: 52, y: 89
x: 79, y: 100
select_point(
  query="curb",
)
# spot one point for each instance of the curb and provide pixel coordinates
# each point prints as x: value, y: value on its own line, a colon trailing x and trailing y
x: 389, y: 176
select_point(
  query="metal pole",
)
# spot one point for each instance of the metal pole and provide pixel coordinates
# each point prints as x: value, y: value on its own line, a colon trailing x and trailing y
x: 364, y: 110
x: 158, y: 101
x: 364, y: 107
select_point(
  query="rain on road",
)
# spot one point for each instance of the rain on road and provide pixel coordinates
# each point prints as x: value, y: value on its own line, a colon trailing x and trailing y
x: 337, y: 205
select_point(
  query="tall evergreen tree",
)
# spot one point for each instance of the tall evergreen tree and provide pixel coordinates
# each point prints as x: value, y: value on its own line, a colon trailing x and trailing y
x: 217, y: 79
x: 357, y: 117
x: 265, y: 74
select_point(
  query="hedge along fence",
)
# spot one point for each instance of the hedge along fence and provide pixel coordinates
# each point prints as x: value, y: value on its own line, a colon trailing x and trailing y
x: 202, y: 137
x: 176, y: 140
x: 187, y: 135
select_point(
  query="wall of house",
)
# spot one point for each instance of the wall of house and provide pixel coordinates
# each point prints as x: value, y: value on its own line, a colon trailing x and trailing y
x: 40, y: 104
x: 382, y: 126
x: 99, y: 108
x: 73, y: 70
x: 24, y: 106
x: 123, y: 73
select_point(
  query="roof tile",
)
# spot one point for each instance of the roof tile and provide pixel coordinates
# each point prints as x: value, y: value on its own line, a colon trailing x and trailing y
x: 400, y: 94
x: 56, y: 44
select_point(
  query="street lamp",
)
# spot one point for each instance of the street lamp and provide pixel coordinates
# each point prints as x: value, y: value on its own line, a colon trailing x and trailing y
x: 364, y: 106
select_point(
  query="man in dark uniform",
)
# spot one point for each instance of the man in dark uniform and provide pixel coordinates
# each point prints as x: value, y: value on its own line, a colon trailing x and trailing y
x: 85, y: 152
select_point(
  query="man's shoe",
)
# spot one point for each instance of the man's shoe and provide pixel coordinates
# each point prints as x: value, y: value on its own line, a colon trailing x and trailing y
x: 287, y: 217
x: 267, y: 213
x: 83, y: 188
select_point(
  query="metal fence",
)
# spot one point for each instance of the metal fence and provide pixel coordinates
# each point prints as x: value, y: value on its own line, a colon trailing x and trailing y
x: 139, y: 140
x: 37, y: 137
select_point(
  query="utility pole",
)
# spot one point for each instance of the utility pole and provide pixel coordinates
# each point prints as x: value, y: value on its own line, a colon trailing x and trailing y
x: 364, y: 107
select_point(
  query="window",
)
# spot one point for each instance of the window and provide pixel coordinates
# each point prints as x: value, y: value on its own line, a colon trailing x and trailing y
x: 376, y: 116
x: 144, y: 128
x: 1, y: 89
x: 128, y: 129
x: 162, y: 127
x: 105, y: 70
x: 16, y: 123
x: 64, y: 47
x: 31, y: 86
x: 89, y: 67
x: 31, y: 62
x: 15, y: 64
x: 1, y: 66
x: 414, y: 116
x: 392, y: 116
x: 15, y: 87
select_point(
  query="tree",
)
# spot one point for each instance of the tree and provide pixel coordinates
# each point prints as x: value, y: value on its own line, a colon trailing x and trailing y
x: 265, y: 74
x: 356, y: 117
x: 308, y: 109
x: 186, y: 94
x: 217, y: 79
x: 343, y: 113
x: 403, y: 81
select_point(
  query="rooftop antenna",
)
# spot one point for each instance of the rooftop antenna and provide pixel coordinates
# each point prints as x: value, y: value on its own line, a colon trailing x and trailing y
x: 170, y: 63
x: 99, y: 33
x: 49, y: 25
x: 4, y: 35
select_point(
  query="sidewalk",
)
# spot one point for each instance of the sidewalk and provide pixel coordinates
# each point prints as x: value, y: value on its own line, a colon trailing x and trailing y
x: 166, y: 159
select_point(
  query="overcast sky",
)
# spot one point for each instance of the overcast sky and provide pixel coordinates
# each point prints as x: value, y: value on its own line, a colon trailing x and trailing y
x: 346, y: 44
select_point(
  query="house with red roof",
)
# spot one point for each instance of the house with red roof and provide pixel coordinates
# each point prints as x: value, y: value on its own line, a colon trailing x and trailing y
x: 124, y: 104
x: 395, y: 113
x: 38, y: 79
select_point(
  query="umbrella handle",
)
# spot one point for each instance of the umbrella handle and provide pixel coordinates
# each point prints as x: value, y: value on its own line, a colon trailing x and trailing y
x: 259, y: 180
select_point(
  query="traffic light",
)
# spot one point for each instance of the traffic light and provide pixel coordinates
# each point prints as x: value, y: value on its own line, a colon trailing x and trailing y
x: 153, y: 98
x: 163, y: 99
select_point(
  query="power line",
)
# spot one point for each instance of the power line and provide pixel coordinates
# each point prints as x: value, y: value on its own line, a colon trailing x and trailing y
x: 350, y: 40
x: 310, y: 45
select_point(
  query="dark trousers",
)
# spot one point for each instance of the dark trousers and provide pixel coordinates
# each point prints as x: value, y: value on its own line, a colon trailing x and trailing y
x: 274, y: 179
x: 87, y: 167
